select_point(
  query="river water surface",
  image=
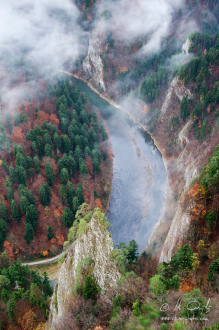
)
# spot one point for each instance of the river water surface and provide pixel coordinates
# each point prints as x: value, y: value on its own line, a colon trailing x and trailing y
x: 139, y: 176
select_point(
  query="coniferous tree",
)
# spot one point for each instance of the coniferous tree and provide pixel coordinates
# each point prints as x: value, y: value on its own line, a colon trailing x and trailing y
x: 29, y: 162
x: 12, y: 174
x: 10, y: 194
x: 72, y: 165
x: 36, y: 164
x: 184, y: 109
x: 20, y: 160
x: 75, y: 205
x: 50, y: 175
x: 9, y: 123
x: 48, y: 150
x: 21, y: 175
x: 29, y: 233
x: 3, y: 212
x: 50, y: 234
x: 62, y: 193
x: 57, y: 141
x: 70, y: 193
x: 23, y: 204
x: 31, y: 215
x: 30, y: 197
x: 3, y: 232
x: 14, y: 211
x: 82, y: 167
x: 64, y: 176
x: 80, y: 194
x: 67, y: 217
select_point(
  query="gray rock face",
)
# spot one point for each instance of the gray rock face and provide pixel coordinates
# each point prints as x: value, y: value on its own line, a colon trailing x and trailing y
x: 92, y: 64
x: 90, y: 254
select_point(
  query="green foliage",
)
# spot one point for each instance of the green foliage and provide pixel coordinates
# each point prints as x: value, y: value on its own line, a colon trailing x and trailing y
x: 210, y: 179
x: 67, y: 217
x: 64, y: 176
x: 184, y: 109
x: 157, y: 286
x: 23, y: 204
x: 14, y: 211
x: 212, y: 276
x: 89, y: 289
x: 152, y: 84
x: 50, y: 234
x: 29, y: 233
x: 31, y: 215
x: 50, y: 175
x: 136, y: 308
x: 194, y: 305
x: 45, y: 194
x: 3, y: 232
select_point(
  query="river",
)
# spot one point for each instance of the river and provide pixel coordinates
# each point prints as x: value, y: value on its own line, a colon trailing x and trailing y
x: 139, y: 176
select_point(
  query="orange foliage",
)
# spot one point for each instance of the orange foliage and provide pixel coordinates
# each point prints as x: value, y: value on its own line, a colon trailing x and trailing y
x: 54, y: 120
x: 122, y: 69
x: 194, y: 200
x: 9, y: 250
x: 188, y: 283
x: 98, y: 204
x: 28, y: 321
x: 18, y: 135
x: 89, y: 16
x: 45, y: 253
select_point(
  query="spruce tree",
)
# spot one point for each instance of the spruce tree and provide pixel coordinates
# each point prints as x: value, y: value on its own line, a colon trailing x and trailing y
x: 12, y: 174
x: 48, y: 150
x: 31, y: 215
x: 23, y: 204
x: 50, y: 234
x: 29, y: 233
x: 67, y: 217
x: 3, y: 212
x: 80, y: 194
x: 14, y: 211
x: 36, y: 164
x: 50, y: 175
x: 64, y: 176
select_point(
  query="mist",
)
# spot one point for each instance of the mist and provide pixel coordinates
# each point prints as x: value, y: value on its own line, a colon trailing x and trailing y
x: 137, y: 19
x: 43, y: 31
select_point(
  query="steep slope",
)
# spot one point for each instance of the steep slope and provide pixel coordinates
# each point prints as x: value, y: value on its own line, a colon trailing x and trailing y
x: 90, y: 254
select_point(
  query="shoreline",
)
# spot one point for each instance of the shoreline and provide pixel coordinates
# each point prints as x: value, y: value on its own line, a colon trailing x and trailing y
x: 135, y: 121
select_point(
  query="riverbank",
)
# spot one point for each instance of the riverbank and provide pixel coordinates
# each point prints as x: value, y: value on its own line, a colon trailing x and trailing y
x: 156, y: 235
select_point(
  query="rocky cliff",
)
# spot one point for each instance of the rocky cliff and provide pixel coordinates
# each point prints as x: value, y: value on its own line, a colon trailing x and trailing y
x: 90, y: 254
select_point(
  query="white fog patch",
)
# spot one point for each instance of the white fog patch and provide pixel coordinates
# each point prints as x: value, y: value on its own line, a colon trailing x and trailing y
x: 140, y: 18
x: 38, y: 30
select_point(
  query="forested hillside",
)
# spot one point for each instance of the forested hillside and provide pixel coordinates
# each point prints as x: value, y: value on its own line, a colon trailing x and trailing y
x: 54, y: 157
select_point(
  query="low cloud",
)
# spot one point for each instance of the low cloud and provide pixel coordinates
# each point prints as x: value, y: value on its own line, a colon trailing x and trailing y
x: 138, y: 18
x: 46, y: 31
